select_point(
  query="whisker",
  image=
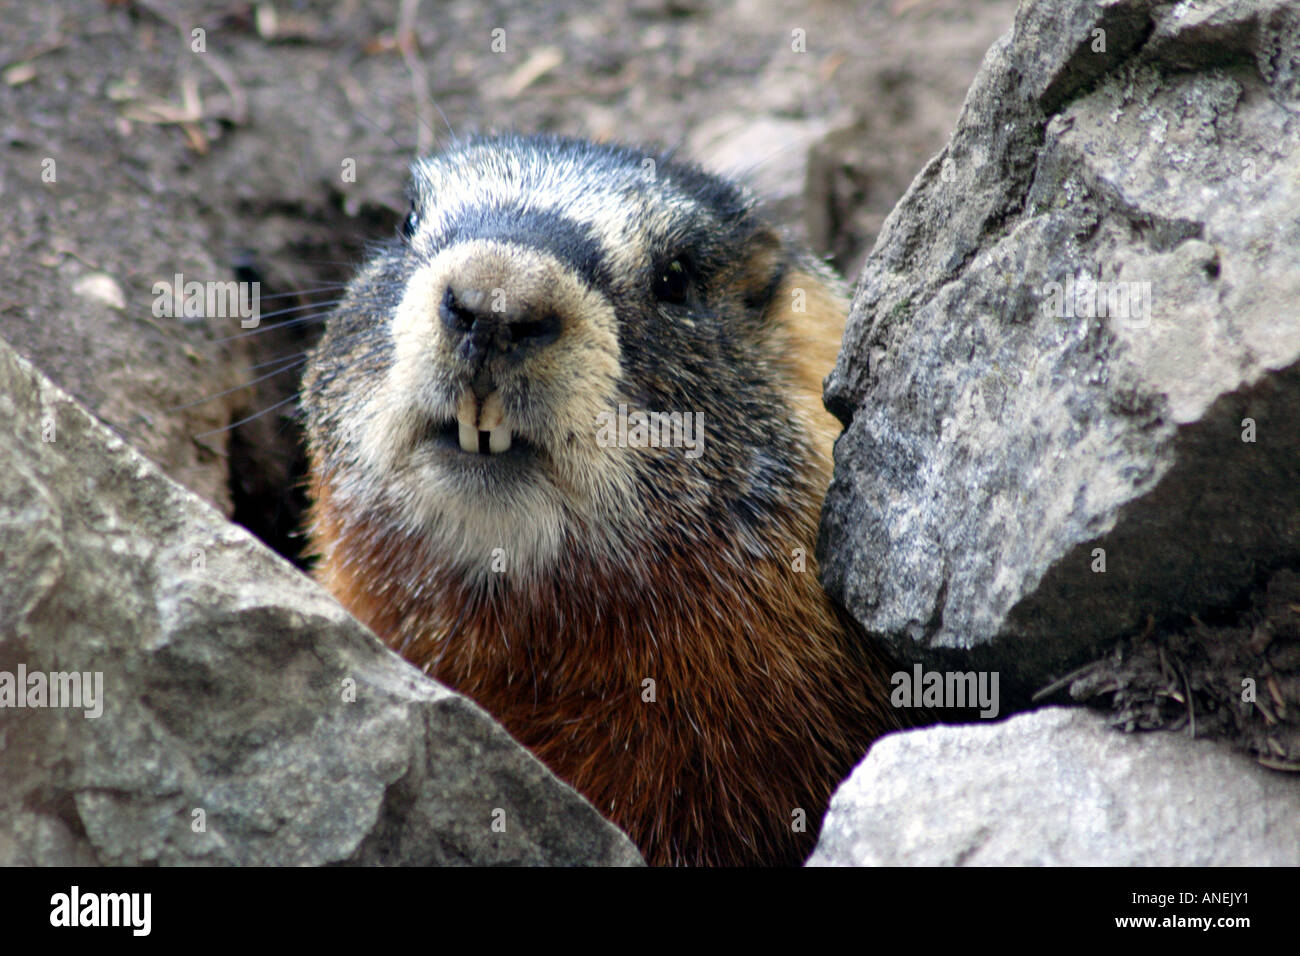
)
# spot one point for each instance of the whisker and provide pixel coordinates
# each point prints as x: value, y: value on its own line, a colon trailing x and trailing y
x: 244, y: 421
x: 447, y: 122
x: 280, y: 358
x: 425, y: 136
x: 341, y: 263
x: 746, y: 172
x: 297, y: 360
x: 328, y: 304
x: 400, y: 145
x: 325, y: 288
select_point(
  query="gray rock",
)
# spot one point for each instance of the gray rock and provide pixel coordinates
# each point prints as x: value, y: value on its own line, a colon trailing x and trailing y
x: 997, y: 446
x: 1058, y: 787
x: 227, y: 689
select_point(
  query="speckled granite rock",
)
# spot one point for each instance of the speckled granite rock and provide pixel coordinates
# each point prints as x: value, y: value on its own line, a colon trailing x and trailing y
x: 243, y: 716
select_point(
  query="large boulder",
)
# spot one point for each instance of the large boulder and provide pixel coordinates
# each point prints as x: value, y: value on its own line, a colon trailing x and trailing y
x: 1058, y: 787
x: 226, y: 709
x: 1071, y: 376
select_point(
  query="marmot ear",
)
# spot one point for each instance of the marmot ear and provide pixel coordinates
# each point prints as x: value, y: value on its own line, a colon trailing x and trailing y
x: 804, y: 321
x: 760, y: 274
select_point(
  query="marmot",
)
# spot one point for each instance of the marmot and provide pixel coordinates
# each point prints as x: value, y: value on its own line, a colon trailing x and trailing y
x: 567, y: 454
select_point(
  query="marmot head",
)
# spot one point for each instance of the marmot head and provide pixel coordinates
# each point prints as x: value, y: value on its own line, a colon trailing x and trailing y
x: 499, y: 376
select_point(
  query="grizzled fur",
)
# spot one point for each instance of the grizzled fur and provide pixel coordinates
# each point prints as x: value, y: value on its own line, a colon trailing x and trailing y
x: 650, y: 624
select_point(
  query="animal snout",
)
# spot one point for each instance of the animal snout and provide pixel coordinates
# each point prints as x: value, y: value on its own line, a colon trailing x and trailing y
x: 487, y: 322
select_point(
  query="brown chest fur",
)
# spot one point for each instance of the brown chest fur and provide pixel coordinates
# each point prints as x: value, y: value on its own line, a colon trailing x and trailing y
x: 762, y: 698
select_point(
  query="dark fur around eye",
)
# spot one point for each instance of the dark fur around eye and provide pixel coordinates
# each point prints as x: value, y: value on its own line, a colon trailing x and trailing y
x: 672, y: 283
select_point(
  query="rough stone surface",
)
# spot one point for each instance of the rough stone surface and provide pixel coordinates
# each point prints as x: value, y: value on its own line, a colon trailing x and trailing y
x: 1058, y: 787
x: 226, y: 675
x: 994, y: 444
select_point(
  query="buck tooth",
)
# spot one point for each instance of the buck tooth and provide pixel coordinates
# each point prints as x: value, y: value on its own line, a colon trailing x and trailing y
x: 491, y: 413
x: 466, y: 414
x: 499, y: 440
x: 468, y: 438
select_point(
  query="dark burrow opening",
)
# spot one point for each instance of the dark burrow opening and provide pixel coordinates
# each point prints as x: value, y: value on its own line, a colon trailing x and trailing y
x: 302, y: 259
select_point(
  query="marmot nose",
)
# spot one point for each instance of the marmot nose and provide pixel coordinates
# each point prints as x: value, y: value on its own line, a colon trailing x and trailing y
x: 482, y: 322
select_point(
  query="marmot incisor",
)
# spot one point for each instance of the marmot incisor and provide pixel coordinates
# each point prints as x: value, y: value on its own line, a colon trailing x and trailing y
x: 647, y: 620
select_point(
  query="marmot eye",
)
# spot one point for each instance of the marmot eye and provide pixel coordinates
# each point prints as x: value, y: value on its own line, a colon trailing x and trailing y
x: 410, y: 224
x: 672, y: 283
